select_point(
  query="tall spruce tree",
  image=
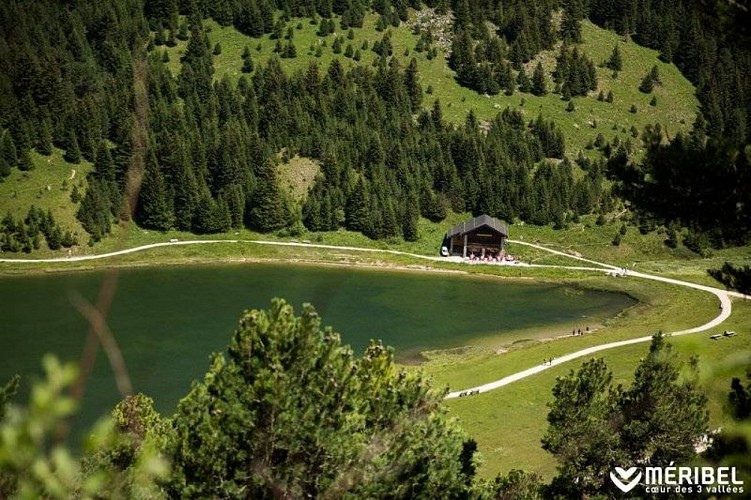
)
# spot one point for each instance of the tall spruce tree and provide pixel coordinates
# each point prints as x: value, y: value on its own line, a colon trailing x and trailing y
x: 523, y: 81
x: 8, y: 150
x: 616, y: 59
x: 412, y: 83
x: 154, y: 209
x: 539, y: 85
x: 410, y: 218
x: 269, y: 210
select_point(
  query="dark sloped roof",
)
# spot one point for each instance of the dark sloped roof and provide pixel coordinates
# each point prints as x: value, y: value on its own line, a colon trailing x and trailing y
x: 479, y: 221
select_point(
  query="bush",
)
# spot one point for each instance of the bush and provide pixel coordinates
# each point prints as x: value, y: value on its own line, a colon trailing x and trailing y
x: 646, y: 226
x: 737, y: 278
x: 672, y: 238
x: 698, y: 243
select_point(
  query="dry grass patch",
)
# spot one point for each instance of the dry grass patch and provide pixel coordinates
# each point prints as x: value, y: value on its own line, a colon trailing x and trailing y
x: 297, y: 177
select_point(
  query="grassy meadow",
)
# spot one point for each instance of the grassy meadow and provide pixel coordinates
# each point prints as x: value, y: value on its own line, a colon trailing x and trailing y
x: 509, y: 422
x: 48, y: 186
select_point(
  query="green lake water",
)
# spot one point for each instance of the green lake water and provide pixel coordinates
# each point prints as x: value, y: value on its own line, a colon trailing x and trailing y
x: 168, y: 320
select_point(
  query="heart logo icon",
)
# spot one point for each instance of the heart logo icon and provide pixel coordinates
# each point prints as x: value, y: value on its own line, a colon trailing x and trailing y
x: 623, y: 479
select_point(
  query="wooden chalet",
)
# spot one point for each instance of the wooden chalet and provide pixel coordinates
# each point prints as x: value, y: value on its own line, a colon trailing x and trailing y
x: 480, y: 237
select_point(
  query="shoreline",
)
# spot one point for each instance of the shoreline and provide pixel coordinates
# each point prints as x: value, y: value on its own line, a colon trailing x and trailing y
x: 382, y: 260
x: 322, y: 257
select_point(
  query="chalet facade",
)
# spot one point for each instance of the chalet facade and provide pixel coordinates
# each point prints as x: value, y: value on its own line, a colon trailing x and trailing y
x: 480, y: 237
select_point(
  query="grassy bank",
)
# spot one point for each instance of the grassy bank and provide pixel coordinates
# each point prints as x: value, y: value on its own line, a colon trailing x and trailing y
x: 647, y: 253
x: 509, y: 422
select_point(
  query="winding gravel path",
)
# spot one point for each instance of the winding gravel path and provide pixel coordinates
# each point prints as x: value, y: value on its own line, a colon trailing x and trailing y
x: 722, y: 295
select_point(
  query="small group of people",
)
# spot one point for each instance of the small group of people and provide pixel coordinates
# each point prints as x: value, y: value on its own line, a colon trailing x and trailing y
x: 578, y: 331
x: 548, y: 361
x: 469, y: 393
x: 490, y: 256
x: 619, y: 273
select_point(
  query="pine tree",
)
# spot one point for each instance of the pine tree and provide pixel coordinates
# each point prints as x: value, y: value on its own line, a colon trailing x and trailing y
x: 570, y: 28
x: 186, y: 194
x: 323, y: 27
x: 8, y: 150
x: 55, y: 238
x: 68, y: 240
x: 358, y: 213
x: 412, y: 83
x: 44, y: 145
x: 523, y: 81
x: 247, y: 65
x: 235, y: 200
x: 654, y: 74
x: 4, y: 167
x: 182, y: 32
x: 647, y: 84
x: 506, y: 79
x: 206, y: 218
x: 594, y: 427
x: 159, y: 37
x: 72, y: 151
x: 616, y: 60
x: 268, y: 208
x: 410, y: 219
x: 290, y: 51
x: 94, y: 211
x: 539, y: 86
x: 171, y: 39
x: 25, y: 163
x: 154, y: 209
x: 338, y: 404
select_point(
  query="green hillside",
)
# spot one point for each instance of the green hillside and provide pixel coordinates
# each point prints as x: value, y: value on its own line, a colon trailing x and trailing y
x: 676, y: 101
x: 48, y: 186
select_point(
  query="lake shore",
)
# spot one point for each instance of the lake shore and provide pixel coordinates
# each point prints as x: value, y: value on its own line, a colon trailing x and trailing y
x: 232, y: 254
x: 268, y: 252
